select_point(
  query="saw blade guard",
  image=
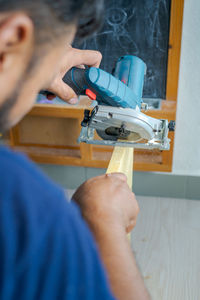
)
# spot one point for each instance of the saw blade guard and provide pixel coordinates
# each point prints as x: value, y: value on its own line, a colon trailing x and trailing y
x: 126, y: 124
x: 124, y: 127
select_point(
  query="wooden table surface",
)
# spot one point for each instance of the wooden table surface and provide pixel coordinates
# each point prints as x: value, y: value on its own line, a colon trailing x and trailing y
x: 166, y: 242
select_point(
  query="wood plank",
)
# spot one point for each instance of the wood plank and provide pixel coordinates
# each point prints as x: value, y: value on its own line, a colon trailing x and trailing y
x: 122, y: 161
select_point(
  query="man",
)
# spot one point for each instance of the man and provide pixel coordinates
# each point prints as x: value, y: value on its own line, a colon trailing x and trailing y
x: 46, y: 249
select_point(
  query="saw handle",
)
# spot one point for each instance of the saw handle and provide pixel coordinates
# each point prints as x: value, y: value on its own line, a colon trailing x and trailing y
x: 100, y: 86
x: 76, y: 79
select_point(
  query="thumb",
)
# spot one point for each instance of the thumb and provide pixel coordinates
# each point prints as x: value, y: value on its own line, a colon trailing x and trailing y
x: 117, y: 175
x: 64, y: 91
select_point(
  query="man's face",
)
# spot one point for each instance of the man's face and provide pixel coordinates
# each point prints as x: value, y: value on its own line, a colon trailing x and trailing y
x: 25, y: 68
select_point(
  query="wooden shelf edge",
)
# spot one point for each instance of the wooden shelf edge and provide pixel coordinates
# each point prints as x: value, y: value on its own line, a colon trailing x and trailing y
x: 78, y: 162
x: 175, y: 37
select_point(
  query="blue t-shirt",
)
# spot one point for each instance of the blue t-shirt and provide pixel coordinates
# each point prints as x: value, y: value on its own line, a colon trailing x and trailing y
x: 46, y: 249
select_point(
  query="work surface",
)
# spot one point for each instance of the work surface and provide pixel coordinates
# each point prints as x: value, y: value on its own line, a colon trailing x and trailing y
x: 166, y: 242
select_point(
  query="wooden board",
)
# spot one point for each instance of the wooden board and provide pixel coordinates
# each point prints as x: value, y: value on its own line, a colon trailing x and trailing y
x: 175, y: 37
x: 122, y: 162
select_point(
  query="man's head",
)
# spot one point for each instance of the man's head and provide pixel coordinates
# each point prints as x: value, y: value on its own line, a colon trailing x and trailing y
x: 33, y: 36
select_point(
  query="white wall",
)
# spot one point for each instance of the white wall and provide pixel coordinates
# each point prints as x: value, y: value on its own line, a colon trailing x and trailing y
x: 187, y: 136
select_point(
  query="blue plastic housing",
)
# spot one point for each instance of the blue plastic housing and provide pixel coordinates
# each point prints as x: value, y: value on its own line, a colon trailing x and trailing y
x: 125, y: 88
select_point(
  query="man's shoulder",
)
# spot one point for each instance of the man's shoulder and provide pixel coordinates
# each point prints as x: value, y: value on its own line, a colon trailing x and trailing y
x: 23, y: 185
x: 12, y: 162
x: 19, y: 175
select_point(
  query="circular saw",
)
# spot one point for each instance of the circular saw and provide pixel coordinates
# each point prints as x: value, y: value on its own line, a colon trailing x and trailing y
x: 117, y: 119
x: 124, y: 127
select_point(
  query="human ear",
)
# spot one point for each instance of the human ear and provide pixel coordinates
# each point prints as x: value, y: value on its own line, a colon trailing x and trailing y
x: 16, y: 39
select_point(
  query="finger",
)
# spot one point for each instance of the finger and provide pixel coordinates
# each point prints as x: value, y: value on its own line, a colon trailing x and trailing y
x: 63, y: 91
x: 120, y: 176
x: 133, y: 211
x: 134, y: 207
x: 131, y: 225
x: 81, y: 66
x: 86, y: 57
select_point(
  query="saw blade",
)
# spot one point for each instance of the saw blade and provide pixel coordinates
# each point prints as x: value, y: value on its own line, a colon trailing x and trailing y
x: 114, y: 134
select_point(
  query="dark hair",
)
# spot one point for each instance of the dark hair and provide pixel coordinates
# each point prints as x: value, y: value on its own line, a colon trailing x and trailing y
x: 49, y: 14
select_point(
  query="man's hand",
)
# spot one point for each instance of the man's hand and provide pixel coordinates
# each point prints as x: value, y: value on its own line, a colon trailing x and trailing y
x: 107, y: 201
x: 72, y: 58
x: 111, y: 210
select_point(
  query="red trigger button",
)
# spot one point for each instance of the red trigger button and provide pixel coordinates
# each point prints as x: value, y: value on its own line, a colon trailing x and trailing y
x: 90, y: 94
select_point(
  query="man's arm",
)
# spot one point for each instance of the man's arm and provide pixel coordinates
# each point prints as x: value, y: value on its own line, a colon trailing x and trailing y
x: 126, y: 281
x: 111, y: 210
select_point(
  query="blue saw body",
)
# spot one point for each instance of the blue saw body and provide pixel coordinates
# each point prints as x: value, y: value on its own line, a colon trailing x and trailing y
x: 123, y: 89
